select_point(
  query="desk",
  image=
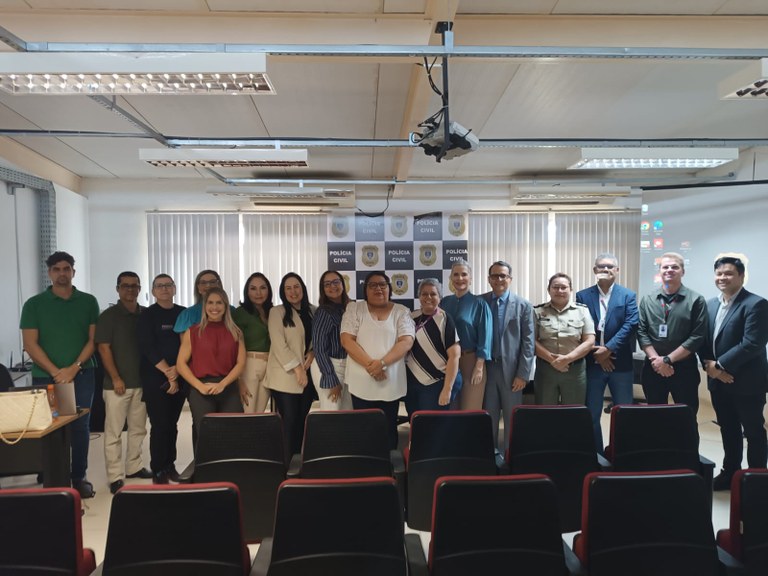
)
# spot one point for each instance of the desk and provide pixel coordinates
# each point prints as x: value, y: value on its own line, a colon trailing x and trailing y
x: 46, y: 451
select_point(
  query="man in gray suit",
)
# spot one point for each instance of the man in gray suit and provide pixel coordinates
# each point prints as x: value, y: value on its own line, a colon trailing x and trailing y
x: 512, y: 352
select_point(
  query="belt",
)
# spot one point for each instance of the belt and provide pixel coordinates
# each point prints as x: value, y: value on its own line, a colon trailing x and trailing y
x: 467, y: 351
x: 259, y: 355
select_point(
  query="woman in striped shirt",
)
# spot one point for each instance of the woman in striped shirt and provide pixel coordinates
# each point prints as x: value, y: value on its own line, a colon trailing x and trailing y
x: 433, y: 362
x: 330, y: 356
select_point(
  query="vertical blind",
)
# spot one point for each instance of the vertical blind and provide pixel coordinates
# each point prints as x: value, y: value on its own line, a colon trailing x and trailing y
x: 535, y: 244
x: 540, y: 244
x: 236, y: 245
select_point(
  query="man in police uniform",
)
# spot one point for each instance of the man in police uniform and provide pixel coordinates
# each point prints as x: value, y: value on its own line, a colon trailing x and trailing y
x: 673, y: 325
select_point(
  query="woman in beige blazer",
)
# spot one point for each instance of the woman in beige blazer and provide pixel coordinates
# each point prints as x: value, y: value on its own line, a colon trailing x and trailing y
x: 290, y: 356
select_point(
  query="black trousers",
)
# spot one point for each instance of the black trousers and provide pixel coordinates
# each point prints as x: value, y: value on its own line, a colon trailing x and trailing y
x: 390, y: 409
x: 163, y: 410
x: 734, y: 413
x: 293, y: 409
x: 683, y: 385
x: 200, y: 405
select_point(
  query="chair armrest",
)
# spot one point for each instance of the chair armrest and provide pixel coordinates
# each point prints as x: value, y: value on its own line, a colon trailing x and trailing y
x: 294, y: 467
x: 186, y: 476
x: 414, y: 552
x: 605, y: 464
x: 398, y: 471
x: 263, y: 557
x: 572, y: 562
x: 732, y: 566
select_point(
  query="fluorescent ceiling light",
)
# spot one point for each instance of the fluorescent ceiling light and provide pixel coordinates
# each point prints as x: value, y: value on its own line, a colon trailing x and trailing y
x: 653, y: 158
x: 748, y: 84
x: 223, y: 157
x: 133, y: 73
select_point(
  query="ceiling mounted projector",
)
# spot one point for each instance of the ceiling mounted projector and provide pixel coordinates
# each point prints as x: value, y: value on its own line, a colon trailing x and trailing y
x: 461, y: 142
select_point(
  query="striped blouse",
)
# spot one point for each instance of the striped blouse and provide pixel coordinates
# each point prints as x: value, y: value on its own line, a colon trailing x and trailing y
x: 434, y: 335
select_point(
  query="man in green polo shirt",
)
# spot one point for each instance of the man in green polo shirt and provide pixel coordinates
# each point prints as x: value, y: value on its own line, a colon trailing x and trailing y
x: 58, y: 327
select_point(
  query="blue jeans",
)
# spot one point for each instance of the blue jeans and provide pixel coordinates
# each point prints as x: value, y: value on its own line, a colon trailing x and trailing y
x: 80, y: 429
x: 620, y: 384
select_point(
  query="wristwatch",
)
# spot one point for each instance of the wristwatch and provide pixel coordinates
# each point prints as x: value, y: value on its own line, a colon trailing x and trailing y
x: 667, y: 361
x: 719, y: 366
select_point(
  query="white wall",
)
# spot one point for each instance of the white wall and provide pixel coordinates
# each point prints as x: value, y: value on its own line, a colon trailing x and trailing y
x: 20, y: 254
x: 72, y: 236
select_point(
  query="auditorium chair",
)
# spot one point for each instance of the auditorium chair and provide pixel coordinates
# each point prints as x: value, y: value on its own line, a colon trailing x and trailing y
x: 345, y: 444
x: 647, y: 524
x: 444, y: 443
x: 747, y: 537
x: 656, y: 437
x: 176, y: 530
x: 557, y: 441
x: 345, y: 527
x: 490, y: 525
x: 41, y: 533
x: 247, y: 450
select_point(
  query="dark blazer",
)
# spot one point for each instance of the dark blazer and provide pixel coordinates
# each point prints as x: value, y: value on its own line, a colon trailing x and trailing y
x: 621, y: 321
x: 518, y: 341
x: 740, y: 344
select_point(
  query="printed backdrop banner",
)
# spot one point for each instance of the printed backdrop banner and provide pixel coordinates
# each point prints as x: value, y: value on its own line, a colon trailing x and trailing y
x: 407, y: 248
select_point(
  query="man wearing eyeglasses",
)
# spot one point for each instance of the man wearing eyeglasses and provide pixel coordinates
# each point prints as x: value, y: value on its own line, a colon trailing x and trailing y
x: 614, y: 311
x: 734, y: 357
x: 116, y: 337
x: 512, y: 349
x: 57, y: 327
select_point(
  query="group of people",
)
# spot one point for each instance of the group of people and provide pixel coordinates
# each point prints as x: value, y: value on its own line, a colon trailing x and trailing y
x: 462, y: 352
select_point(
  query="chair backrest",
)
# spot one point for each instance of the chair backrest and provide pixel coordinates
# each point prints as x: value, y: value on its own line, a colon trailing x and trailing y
x: 345, y: 444
x: 41, y: 533
x: 496, y: 525
x: 247, y: 450
x: 6, y: 380
x: 647, y: 523
x: 341, y: 527
x: 443, y: 443
x: 749, y: 518
x: 170, y: 530
x: 653, y: 437
x: 557, y: 441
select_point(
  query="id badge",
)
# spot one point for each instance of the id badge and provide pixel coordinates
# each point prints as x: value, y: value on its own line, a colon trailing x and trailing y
x: 662, y: 330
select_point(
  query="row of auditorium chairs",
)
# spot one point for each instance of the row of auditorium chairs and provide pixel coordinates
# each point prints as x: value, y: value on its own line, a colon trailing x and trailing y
x: 650, y: 523
x: 552, y: 440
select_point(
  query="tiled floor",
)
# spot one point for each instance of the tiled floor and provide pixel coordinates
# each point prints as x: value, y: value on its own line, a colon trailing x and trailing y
x: 96, y: 518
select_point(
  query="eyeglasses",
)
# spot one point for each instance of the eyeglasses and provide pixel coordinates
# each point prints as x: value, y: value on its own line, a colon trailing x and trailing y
x: 380, y: 285
x: 605, y: 266
x: 332, y: 283
x: 167, y: 285
x: 129, y: 286
x: 499, y: 277
x: 208, y: 282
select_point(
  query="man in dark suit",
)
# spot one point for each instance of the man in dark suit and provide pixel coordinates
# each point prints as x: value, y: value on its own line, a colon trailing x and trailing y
x: 734, y: 356
x: 512, y: 351
x: 614, y: 311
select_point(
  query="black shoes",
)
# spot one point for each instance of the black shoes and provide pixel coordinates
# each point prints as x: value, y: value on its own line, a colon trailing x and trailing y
x: 116, y: 485
x: 173, y: 475
x: 160, y: 478
x: 142, y: 473
x: 84, y: 487
x: 722, y: 481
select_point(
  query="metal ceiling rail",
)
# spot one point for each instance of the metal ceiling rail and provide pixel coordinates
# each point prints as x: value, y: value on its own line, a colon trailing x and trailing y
x: 400, y: 51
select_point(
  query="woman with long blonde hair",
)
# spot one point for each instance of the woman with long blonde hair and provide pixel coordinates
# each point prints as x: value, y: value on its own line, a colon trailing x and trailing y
x: 211, y: 358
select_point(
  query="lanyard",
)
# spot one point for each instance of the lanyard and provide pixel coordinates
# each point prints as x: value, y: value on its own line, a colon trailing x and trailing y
x: 666, y: 308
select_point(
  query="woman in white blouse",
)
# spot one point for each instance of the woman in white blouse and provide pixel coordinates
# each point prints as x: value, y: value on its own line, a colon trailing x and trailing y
x: 377, y: 334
